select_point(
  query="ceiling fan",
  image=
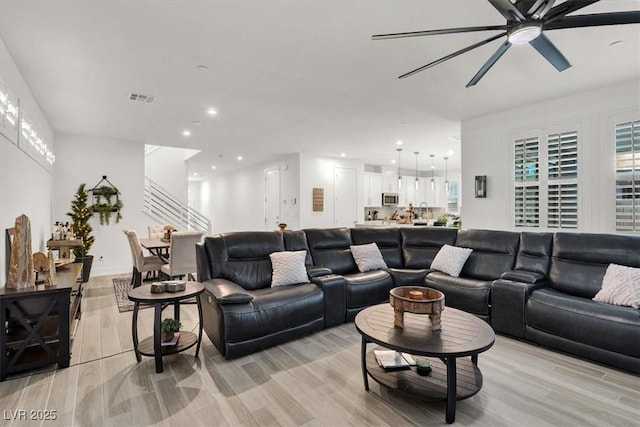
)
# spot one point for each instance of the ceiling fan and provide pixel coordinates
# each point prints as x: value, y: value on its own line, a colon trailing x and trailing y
x: 527, y: 21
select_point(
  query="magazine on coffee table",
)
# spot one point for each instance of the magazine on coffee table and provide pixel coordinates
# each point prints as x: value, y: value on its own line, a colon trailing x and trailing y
x: 391, y: 359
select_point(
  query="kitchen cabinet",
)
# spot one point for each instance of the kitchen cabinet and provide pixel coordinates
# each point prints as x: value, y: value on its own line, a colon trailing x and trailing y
x: 436, y: 197
x: 372, y: 189
x: 389, y: 183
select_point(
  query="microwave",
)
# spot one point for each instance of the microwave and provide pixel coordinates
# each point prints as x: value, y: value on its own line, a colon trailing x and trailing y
x: 389, y: 199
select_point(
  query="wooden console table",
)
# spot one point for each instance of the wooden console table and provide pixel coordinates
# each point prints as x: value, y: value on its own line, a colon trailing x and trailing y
x: 37, y: 323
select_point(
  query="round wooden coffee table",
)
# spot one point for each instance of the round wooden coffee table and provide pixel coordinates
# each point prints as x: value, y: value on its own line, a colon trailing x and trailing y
x: 152, y: 346
x: 461, y: 335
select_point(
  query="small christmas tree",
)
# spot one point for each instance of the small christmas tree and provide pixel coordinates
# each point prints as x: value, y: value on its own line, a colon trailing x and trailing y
x: 80, y: 214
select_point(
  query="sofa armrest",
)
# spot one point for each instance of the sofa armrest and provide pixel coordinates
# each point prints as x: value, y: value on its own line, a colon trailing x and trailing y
x: 335, y: 298
x: 227, y: 292
x: 508, y: 303
x: 524, y: 276
x: 317, y: 271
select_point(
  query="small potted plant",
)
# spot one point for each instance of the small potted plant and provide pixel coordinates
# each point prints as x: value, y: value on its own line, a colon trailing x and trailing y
x: 168, y: 328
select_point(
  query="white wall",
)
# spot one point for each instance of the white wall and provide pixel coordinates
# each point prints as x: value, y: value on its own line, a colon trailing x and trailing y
x: 167, y: 167
x: 85, y: 159
x: 25, y: 186
x: 487, y: 150
x: 235, y: 201
x: 318, y: 172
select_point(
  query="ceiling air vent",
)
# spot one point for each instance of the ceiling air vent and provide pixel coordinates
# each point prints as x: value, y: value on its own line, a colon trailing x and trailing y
x: 141, y: 98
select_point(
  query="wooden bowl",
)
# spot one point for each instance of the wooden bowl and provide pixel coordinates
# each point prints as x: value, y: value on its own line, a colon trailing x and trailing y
x: 405, y: 298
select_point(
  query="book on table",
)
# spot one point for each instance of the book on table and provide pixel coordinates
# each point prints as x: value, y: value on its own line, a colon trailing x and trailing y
x: 392, y: 360
x: 172, y: 341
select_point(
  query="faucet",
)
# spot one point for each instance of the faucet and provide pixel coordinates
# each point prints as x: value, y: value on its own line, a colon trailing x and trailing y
x: 426, y: 206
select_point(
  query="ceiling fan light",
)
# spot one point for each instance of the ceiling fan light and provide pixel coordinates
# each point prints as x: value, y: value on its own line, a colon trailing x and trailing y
x: 525, y: 33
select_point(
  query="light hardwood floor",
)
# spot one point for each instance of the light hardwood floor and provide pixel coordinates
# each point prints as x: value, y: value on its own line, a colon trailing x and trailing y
x: 314, y: 381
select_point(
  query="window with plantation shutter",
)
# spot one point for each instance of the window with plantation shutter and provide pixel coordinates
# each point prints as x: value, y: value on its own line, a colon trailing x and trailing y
x: 527, y: 206
x: 562, y: 167
x: 628, y: 176
x: 452, y: 197
x: 526, y: 162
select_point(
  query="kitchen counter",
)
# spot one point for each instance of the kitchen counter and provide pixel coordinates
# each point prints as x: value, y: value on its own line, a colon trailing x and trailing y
x: 381, y: 224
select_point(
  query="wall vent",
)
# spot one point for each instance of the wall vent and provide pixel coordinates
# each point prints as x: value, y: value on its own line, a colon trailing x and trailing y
x: 141, y: 98
x: 373, y: 168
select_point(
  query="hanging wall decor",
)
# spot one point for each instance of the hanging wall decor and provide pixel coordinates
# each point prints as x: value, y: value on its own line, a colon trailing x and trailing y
x: 106, y: 201
x: 481, y: 186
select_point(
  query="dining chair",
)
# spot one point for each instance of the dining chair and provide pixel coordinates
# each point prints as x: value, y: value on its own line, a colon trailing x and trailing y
x: 140, y: 262
x: 183, y: 254
x: 156, y: 231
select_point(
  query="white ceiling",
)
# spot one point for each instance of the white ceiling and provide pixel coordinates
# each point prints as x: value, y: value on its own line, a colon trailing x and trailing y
x: 290, y: 76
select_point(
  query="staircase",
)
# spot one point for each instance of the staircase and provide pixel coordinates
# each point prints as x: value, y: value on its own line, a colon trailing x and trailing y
x: 161, y: 205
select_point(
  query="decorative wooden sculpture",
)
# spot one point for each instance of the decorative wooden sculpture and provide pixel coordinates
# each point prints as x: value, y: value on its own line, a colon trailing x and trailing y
x: 21, y: 273
x: 45, y: 267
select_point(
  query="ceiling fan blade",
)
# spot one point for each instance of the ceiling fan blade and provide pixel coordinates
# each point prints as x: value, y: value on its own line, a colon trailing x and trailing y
x: 595, y: 20
x: 436, y: 32
x: 452, y: 55
x: 487, y: 65
x: 567, y: 7
x: 508, y: 10
x: 542, y: 10
x: 547, y: 49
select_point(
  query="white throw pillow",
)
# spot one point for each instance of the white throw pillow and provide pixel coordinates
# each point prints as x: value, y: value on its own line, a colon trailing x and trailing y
x: 368, y: 257
x: 451, y: 259
x: 620, y: 286
x: 288, y: 268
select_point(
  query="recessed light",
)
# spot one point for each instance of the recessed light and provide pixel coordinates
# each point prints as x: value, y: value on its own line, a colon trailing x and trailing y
x: 186, y: 132
x: 211, y: 111
x: 195, y: 174
x: 450, y: 153
x: 343, y: 154
x: 239, y: 157
x: 213, y: 167
x: 393, y: 161
x: 202, y: 67
x: 398, y: 142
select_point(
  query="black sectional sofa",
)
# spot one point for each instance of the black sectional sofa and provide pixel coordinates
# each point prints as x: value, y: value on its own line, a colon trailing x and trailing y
x: 534, y: 286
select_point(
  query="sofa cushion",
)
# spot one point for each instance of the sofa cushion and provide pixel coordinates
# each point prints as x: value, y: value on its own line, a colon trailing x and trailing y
x: 329, y: 248
x: 273, y: 310
x: 580, y: 260
x: 620, y: 286
x: 387, y: 239
x: 365, y: 289
x: 470, y: 295
x: 421, y: 244
x: 288, y: 268
x: 494, y: 252
x: 600, y: 325
x: 451, y: 259
x: 367, y: 257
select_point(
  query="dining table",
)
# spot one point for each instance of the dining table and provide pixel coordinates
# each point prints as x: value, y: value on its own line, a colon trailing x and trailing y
x: 157, y: 247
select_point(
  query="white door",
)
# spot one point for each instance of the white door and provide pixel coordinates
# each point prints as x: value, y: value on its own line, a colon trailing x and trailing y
x: 271, y: 199
x: 346, y: 192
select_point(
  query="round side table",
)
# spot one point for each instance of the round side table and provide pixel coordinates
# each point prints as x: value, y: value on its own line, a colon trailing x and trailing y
x: 152, y: 346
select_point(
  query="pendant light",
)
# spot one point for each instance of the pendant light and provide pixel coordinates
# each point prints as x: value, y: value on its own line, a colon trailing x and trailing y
x: 433, y: 182
x: 416, y: 153
x: 446, y: 174
x: 399, y: 177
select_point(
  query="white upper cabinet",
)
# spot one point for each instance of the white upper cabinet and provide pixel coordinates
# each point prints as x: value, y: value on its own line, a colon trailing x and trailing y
x: 389, y: 183
x: 372, y: 189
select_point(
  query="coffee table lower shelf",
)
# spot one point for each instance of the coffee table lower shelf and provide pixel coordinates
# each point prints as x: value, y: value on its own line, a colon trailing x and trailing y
x: 429, y: 387
x: 187, y: 340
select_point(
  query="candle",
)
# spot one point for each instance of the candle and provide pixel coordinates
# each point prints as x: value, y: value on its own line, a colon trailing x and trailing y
x: 415, y: 295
